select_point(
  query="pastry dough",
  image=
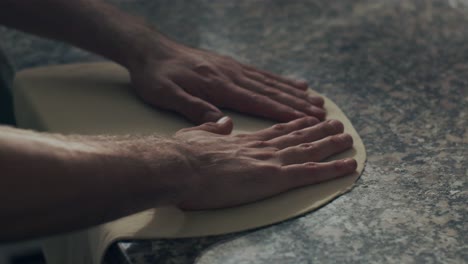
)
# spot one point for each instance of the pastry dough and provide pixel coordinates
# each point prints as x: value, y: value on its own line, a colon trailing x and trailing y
x: 97, y: 98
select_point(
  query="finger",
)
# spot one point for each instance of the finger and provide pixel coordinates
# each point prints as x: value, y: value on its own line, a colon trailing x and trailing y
x: 256, y: 104
x: 301, y: 85
x: 198, y: 82
x: 316, y: 151
x: 311, y: 173
x: 283, y: 129
x: 310, y: 134
x: 282, y: 97
x: 223, y: 127
x: 193, y: 108
x: 313, y: 99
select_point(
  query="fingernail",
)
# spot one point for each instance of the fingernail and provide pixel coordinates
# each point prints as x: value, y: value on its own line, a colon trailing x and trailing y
x: 312, y: 120
x: 318, y: 112
x: 212, y: 116
x: 316, y: 100
x: 222, y: 120
x: 343, y: 136
x: 350, y: 162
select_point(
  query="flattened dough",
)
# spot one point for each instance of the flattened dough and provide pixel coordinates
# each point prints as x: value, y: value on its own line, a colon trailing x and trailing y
x: 97, y: 98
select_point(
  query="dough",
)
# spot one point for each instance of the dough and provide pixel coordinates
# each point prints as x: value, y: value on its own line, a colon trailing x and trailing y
x: 97, y: 98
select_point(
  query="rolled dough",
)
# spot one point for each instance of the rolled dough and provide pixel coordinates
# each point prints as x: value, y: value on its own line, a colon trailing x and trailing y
x: 97, y: 98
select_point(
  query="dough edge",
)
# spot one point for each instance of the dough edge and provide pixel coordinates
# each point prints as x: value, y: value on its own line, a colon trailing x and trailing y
x: 170, y: 222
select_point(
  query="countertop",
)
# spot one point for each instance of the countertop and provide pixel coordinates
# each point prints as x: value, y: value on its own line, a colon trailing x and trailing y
x: 398, y: 69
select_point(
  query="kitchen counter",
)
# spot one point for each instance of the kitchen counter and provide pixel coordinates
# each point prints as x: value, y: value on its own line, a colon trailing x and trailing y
x: 398, y: 69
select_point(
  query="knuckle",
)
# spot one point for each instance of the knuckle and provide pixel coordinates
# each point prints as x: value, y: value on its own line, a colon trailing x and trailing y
x: 215, y: 81
x: 312, y: 150
x: 310, y: 120
x: 270, y: 82
x: 271, y: 169
x: 203, y: 68
x: 279, y: 127
x: 306, y: 146
x: 259, y: 144
x: 266, y: 155
x: 272, y: 92
x: 242, y: 136
x: 273, y: 150
x: 311, y: 166
x: 243, y: 152
x: 232, y: 70
x: 257, y: 98
x: 297, y: 133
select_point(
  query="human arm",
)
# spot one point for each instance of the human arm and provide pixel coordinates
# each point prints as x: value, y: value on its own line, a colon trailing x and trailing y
x: 55, y: 183
x: 51, y: 183
x: 165, y: 74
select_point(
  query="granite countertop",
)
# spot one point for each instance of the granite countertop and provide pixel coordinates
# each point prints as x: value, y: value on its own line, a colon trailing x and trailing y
x: 398, y: 69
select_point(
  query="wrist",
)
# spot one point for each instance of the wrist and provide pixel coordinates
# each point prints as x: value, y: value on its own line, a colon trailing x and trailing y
x: 112, y: 171
x: 156, y: 171
x: 148, y: 47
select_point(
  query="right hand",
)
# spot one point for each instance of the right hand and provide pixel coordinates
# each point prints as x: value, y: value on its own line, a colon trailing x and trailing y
x: 231, y: 170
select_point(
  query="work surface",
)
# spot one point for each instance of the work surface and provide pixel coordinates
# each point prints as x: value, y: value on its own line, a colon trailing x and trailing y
x: 398, y: 69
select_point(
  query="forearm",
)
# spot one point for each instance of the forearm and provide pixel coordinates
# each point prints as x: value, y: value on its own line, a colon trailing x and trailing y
x: 89, y: 24
x: 51, y: 183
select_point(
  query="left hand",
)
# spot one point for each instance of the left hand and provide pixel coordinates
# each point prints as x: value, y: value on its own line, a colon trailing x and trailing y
x: 195, y: 83
x: 228, y: 170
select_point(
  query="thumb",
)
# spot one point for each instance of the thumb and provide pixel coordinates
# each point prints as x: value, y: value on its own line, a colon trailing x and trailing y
x: 223, y: 126
x: 195, y: 109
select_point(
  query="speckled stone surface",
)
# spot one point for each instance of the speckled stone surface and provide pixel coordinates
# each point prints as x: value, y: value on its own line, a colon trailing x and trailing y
x: 399, y: 69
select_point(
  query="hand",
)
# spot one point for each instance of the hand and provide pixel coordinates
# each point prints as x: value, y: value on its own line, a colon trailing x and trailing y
x: 233, y: 170
x: 196, y: 82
